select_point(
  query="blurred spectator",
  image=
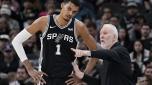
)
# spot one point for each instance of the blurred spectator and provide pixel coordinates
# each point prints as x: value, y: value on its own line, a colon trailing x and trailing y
x: 148, y: 72
x: 104, y: 18
x: 12, y: 34
x: 87, y: 8
x: 142, y: 81
x: 136, y: 71
x: 48, y: 9
x: 28, y: 10
x: 139, y: 54
x: 93, y: 30
x: 28, y: 7
x: 8, y: 63
x: 124, y: 38
x: 5, y: 12
x: 134, y: 32
x: 12, y: 78
x: 4, y: 27
x: 22, y: 76
x: 129, y: 17
x: 145, y: 36
x: 147, y: 5
x: 140, y: 19
x: 14, y: 5
x: 4, y: 40
x: 30, y: 17
x: 86, y: 20
x: 115, y: 21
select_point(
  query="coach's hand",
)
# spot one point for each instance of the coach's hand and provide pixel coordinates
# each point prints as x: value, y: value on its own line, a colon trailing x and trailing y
x: 76, y: 75
x: 37, y: 76
x: 80, y: 53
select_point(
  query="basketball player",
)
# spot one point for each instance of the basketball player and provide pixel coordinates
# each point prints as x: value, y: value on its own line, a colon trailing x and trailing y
x: 59, y: 34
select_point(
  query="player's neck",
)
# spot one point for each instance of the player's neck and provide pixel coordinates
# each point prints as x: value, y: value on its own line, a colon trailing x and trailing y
x: 61, y: 21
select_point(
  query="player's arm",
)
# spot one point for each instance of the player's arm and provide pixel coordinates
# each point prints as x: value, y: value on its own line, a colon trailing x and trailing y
x: 89, y: 41
x: 37, y: 25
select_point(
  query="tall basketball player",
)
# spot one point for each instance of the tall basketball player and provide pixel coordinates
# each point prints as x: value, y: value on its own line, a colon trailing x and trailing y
x: 59, y: 34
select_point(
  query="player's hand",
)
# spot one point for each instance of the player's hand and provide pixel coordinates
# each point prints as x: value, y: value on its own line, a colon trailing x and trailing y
x: 78, y: 53
x: 37, y: 76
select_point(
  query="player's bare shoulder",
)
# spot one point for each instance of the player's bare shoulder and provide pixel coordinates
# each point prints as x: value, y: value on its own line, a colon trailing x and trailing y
x: 80, y: 26
x: 42, y: 22
x: 38, y: 25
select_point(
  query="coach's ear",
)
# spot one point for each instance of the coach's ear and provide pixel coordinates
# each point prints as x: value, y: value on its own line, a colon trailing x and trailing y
x: 62, y: 4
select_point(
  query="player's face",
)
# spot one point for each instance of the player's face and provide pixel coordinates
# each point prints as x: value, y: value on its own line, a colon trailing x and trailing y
x: 106, y: 38
x: 68, y: 10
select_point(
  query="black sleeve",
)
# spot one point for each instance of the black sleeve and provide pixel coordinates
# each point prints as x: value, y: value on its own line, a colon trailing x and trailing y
x: 90, y: 80
x: 112, y: 55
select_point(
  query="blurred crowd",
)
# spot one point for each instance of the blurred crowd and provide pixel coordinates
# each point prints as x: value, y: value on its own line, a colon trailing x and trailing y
x: 133, y: 19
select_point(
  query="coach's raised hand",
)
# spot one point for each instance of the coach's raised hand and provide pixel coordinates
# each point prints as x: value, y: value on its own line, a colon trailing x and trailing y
x: 80, y: 53
x: 36, y: 75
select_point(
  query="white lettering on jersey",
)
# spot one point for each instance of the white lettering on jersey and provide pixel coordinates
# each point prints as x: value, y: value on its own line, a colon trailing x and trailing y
x: 51, y: 36
x: 58, y: 37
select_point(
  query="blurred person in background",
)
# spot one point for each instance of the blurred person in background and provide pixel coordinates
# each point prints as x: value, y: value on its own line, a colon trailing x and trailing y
x: 148, y: 71
x: 12, y: 78
x: 86, y: 19
x: 135, y: 31
x: 145, y: 32
x: 9, y: 63
x: 141, y: 19
x: 4, y: 27
x: 104, y: 17
x: 142, y: 81
x: 49, y: 8
x: 115, y: 21
x: 92, y: 30
x: 139, y: 54
x: 124, y: 38
x: 29, y: 19
x: 147, y: 5
x: 14, y: 5
x: 23, y: 76
x: 5, y: 12
x: 130, y: 16
x: 4, y: 41
x: 136, y: 71
x: 145, y: 36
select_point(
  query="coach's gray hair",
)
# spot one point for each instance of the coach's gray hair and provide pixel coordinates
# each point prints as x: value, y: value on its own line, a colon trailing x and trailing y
x: 113, y: 28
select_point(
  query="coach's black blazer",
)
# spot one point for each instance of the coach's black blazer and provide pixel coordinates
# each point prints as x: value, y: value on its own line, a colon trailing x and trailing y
x: 116, y: 67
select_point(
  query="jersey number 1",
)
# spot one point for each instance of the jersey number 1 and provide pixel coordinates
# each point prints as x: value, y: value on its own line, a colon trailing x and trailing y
x: 58, y: 49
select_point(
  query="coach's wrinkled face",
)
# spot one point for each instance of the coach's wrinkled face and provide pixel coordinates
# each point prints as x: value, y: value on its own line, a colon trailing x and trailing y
x: 107, y: 37
x: 69, y: 10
